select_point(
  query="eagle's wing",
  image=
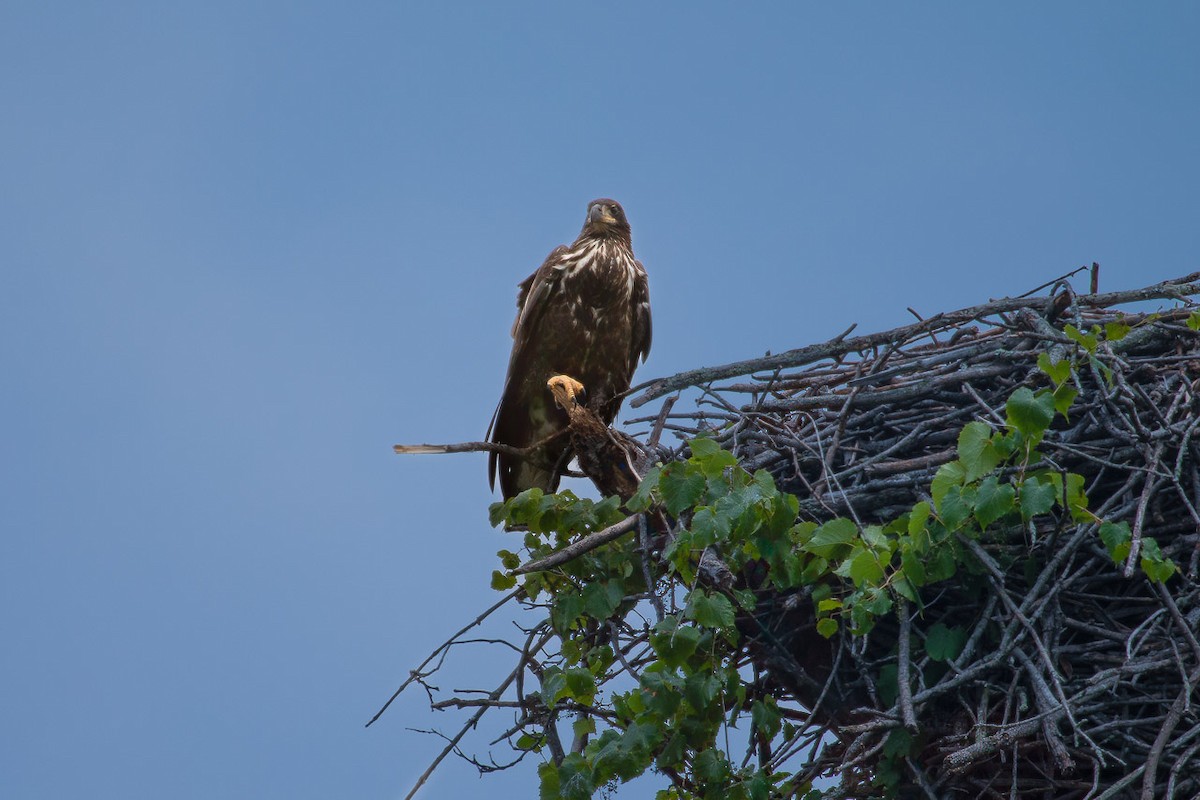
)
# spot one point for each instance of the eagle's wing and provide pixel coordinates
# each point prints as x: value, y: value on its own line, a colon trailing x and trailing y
x: 641, y: 319
x: 534, y: 292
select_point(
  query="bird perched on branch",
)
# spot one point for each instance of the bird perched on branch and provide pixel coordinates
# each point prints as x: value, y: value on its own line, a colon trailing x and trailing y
x: 585, y: 313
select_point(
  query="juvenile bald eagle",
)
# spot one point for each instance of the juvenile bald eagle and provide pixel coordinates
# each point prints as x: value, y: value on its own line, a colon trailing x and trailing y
x: 586, y: 313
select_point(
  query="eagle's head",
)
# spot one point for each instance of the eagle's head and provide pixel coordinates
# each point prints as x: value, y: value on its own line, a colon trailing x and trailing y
x: 606, y: 218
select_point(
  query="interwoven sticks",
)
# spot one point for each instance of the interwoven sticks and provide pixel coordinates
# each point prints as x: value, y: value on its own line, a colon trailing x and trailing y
x: 1078, y: 677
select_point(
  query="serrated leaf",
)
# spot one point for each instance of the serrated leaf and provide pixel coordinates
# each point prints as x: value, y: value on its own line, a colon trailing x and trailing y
x: 1116, y: 331
x: 581, y: 684
x: 643, y: 498
x: 497, y: 513
x: 1087, y: 341
x: 527, y: 742
x: 944, y: 644
x: 701, y: 688
x: 1030, y: 413
x: 710, y: 610
x: 1116, y: 537
x: 1076, y: 499
x: 904, y: 587
x: 711, y: 767
x: 708, y: 527
x: 1037, y: 497
x: 918, y: 517
x: 584, y: 726
x: 673, y: 645
x: 680, y: 488
x: 766, y: 717
x: 1058, y: 371
x: 1103, y: 369
x: 912, y: 565
x: 565, y: 610
x: 955, y: 507
x: 703, y: 447
x: 1156, y: 566
x: 554, y: 685
x: 865, y: 569
x: 833, y: 539
x: 502, y: 581
x: 992, y: 500
x: 948, y: 475
x: 975, y: 452
x: 940, y: 564
x: 898, y: 744
x: 1064, y: 396
x: 601, y: 599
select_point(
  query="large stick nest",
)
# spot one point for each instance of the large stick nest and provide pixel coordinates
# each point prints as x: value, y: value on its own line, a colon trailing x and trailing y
x: 1077, y: 677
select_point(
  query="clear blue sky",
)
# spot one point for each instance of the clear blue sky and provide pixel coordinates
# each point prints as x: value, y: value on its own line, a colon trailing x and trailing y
x: 246, y: 247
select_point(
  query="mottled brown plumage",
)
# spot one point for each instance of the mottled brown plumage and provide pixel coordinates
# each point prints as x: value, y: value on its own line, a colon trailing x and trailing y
x: 585, y: 313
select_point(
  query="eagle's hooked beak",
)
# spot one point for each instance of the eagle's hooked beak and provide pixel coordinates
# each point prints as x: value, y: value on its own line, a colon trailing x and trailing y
x: 600, y: 213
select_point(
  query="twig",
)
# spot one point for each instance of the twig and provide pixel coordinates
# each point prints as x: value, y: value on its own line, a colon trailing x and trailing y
x: 578, y: 548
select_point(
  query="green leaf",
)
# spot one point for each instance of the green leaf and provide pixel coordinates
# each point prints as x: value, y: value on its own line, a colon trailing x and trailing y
x: 703, y: 447
x: 554, y: 685
x: 1117, y: 538
x: 833, y: 539
x: 502, y: 581
x: 527, y: 742
x: 827, y: 626
x: 584, y: 726
x: 918, y: 517
x: 601, y: 599
x: 944, y: 644
x: 952, y: 474
x: 912, y: 565
x: 1193, y: 320
x: 710, y: 767
x: 1037, y: 497
x: 710, y: 610
x: 1064, y: 396
x: 905, y: 588
x: 1058, y: 371
x: 1076, y: 499
x: 1030, y: 413
x: 992, y: 500
x: 643, y: 498
x: 765, y: 716
x: 1116, y: 331
x: 865, y: 569
x: 581, y: 684
x: 828, y: 604
x: 674, y: 645
x: 708, y: 527
x: 701, y: 688
x: 680, y: 487
x: 898, y: 744
x: 1156, y: 566
x: 1087, y: 341
x: 567, y: 607
x: 1103, y: 369
x: 956, y: 507
x: 941, y: 564
x: 497, y: 513
x: 975, y: 452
